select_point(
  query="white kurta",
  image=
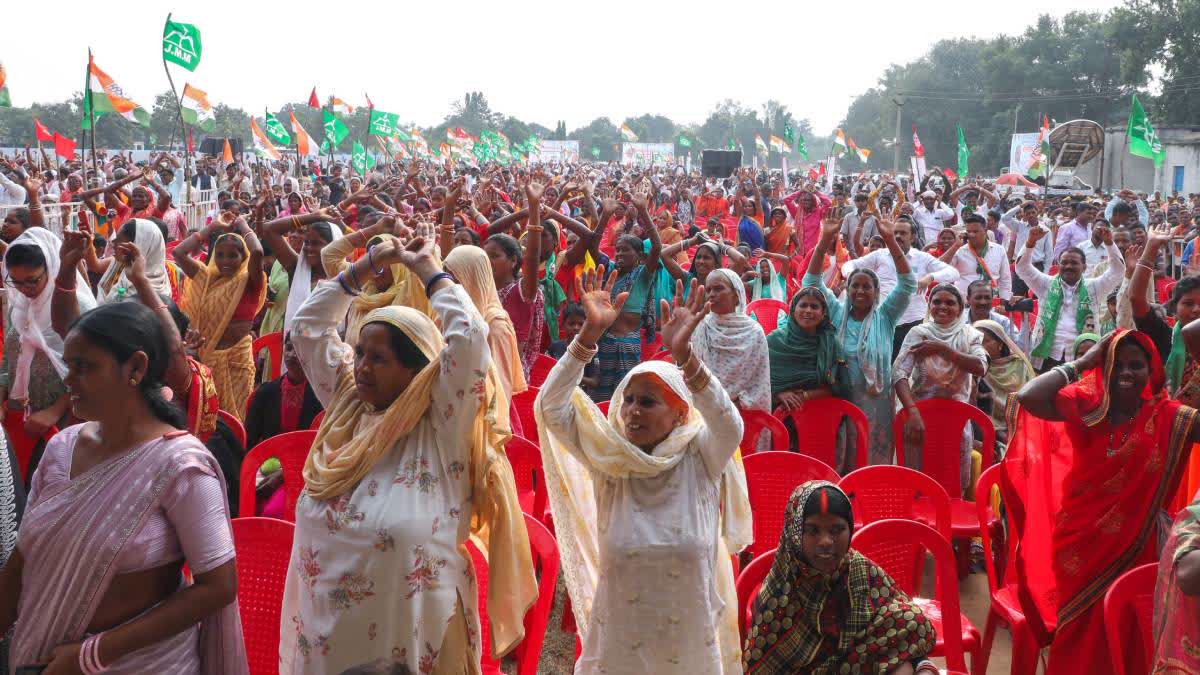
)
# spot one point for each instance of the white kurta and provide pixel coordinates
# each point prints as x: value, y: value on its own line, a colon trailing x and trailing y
x: 657, y: 606
x: 376, y: 574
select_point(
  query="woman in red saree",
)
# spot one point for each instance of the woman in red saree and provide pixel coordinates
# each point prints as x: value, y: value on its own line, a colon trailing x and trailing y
x: 1097, y: 450
x: 1177, y: 598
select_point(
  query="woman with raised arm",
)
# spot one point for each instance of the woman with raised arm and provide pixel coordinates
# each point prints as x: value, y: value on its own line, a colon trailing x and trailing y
x: 304, y: 267
x: 118, y: 506
x: 638, y: 498
x: 222, y: 299
x: 1097, y: 448
x: 865, y: 331
x: 405, y: 467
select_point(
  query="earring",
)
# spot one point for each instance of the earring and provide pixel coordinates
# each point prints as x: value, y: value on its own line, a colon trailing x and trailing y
x: 133, y: 382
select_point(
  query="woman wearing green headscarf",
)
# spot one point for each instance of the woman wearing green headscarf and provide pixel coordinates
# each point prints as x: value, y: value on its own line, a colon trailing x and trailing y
x: 806, y: 363
x: 1083, y: 342
x: 865, y: 330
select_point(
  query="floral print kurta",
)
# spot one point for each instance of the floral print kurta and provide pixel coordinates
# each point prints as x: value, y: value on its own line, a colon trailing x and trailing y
x: 378, y: 574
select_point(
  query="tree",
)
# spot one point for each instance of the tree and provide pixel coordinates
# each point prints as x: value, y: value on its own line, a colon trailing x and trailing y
x: 164, y: 121
x: 601, y: 134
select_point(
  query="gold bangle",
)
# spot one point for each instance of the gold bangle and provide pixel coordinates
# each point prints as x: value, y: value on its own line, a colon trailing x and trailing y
x: 697, y: 382
x: 581, y: 353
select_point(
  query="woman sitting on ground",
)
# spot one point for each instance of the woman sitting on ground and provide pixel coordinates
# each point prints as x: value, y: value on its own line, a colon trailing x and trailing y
x: 823, y: 603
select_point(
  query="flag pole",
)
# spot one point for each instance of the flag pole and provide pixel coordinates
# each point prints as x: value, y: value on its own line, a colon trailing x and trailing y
x: 91, y: 119
x: 187, y: 156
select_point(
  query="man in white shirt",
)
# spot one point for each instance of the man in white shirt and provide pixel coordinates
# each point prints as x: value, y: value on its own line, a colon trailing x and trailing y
x: 1094, y: 250
x: 931, y: 217
x: 977, y: 257
x: 1062, y: 312
x: 926, y: 268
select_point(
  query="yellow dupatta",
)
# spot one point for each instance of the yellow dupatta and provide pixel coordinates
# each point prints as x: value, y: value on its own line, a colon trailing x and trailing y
x: 470, y: 265
x: 340, y: 458
x: 211, y: 299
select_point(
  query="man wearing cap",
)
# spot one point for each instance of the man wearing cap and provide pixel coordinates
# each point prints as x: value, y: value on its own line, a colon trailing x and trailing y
x: 930, y: 217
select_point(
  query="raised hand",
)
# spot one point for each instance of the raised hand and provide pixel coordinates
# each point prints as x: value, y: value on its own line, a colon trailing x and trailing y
x: 1034, y: 236
x: 417, y: 253
x: 886, y: 227
x: 681, y: 318
x: 830, y: 225
x: 135, y: 263
x: 534, y: 190
x: 599, y: 306
x: 73, y: 249
x: 1158, y: 236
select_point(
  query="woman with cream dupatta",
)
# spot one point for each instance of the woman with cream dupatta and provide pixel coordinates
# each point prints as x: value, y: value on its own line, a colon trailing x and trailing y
x: 115, y: 284
x: 1008, y: 370
x: 405, y: 466
x: 222, y: 300
x: 637, y: 500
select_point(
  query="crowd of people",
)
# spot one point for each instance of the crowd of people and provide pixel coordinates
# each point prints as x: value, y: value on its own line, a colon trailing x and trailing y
x: 413, y: 303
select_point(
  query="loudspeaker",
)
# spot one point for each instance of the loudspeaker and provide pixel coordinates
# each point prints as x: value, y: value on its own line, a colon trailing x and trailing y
x: 216, y: 145
x: 720, y: 163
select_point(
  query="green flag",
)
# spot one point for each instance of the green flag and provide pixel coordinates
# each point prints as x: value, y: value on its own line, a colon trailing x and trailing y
x: 963, y: 153
x: 684, y: 141
x: 789, y: 135
x: 731, y: 145
x: 358, y: 158
x: 401, y: 135
x: 1143, y: 142
x: 275, y: 130
x: 801, y: 146
x: 181, y: 44
x: 383, y: 123
x: 595, y: 152
x: 335, y: 129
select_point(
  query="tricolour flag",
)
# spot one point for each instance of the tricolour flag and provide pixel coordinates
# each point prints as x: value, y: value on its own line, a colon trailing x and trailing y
x: 104, y: 96
x: 40, y: 130
x: 628, y: 134
x: 777, y: 143
x: 458, y: 136
x: 262, y: 144
x: 839, y: 144
x: 197, y: 111
x: 1039, y: 164
x: 759, y: 144
x: 1143, y: 142
x: 335, y: 129
x: 918, y: 149
x: 5, y: 99
x: 340, y: 107
x: 304, y: 144
x: 863, y: 154
x: 275, y: 130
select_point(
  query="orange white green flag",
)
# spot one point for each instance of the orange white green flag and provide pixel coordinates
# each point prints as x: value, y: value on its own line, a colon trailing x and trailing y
x: 340, y: 107
x: 5, y: 99
x: 304, y: 143
x: 262, y: 145
x: 197, y: 111
x: 103, y: 96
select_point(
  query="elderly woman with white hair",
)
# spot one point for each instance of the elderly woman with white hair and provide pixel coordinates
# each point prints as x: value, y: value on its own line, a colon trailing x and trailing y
x: 638, y: 499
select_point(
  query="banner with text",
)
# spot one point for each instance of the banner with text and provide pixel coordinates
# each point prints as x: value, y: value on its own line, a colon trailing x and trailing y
x: 646, y: 154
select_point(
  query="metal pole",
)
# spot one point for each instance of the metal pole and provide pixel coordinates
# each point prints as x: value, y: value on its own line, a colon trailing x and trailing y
x: 899, y: 101
x: 91, y: 120
x: 1016, y: 112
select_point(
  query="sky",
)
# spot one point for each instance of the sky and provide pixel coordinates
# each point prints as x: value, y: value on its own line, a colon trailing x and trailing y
x: 539, y: 61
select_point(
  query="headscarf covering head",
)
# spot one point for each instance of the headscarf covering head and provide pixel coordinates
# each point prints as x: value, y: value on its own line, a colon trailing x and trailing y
x: 793, y: 351
x: 115, y: 283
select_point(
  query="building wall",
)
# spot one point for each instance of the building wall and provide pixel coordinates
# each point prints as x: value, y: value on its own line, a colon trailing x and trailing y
x: 1182, y: 145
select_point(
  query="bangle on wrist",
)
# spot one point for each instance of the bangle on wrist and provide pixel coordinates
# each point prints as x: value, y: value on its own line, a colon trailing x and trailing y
x: 436, y: 278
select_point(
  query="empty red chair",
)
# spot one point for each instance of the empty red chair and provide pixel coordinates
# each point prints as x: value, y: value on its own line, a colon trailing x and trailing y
x: 263, y: 548
x: 239, y: 431
x: 316, y: 423
x: 816, y: 424
x: 522, y: 409
x: 770, y: 478
x: 944, y: 422
x: 755, y: 422
x: 292, y: 451
x: 748, y: 583
x: 1005, y: 608
x: 526, y: 461
x: 545, y: 562
x: 766, y: 312
x: 888, y: 544
x: 540, y: 369
x: 887, y: 491
x: 1128, y: 619
x: 273, y: 343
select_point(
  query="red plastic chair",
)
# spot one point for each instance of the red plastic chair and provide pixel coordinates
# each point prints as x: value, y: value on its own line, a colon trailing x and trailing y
x: 316, y: 423
x: 944, y: 423
x: 545, y: 560
x: 22, y: 444
x: 770, y: 478
x: 817, y: 423
x: 522, y: 408
x: 748, y: 583
x: 755, y: 422
x: 1005, y: 609
x: 766, y: 312
x: 1129, y: 613
x: 273, y: 343
x: 540, y: 369
x: 235, y: 425
x: 888, y: 544
x: 292, y: 451
x: 603, y: 406
x: 263, y: 547
x: 885, y: 491
x: 526, y: 462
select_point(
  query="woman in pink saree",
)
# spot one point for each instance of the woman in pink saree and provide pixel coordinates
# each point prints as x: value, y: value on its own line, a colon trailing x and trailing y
x: 117, y: 506
x: 1177, y: 598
